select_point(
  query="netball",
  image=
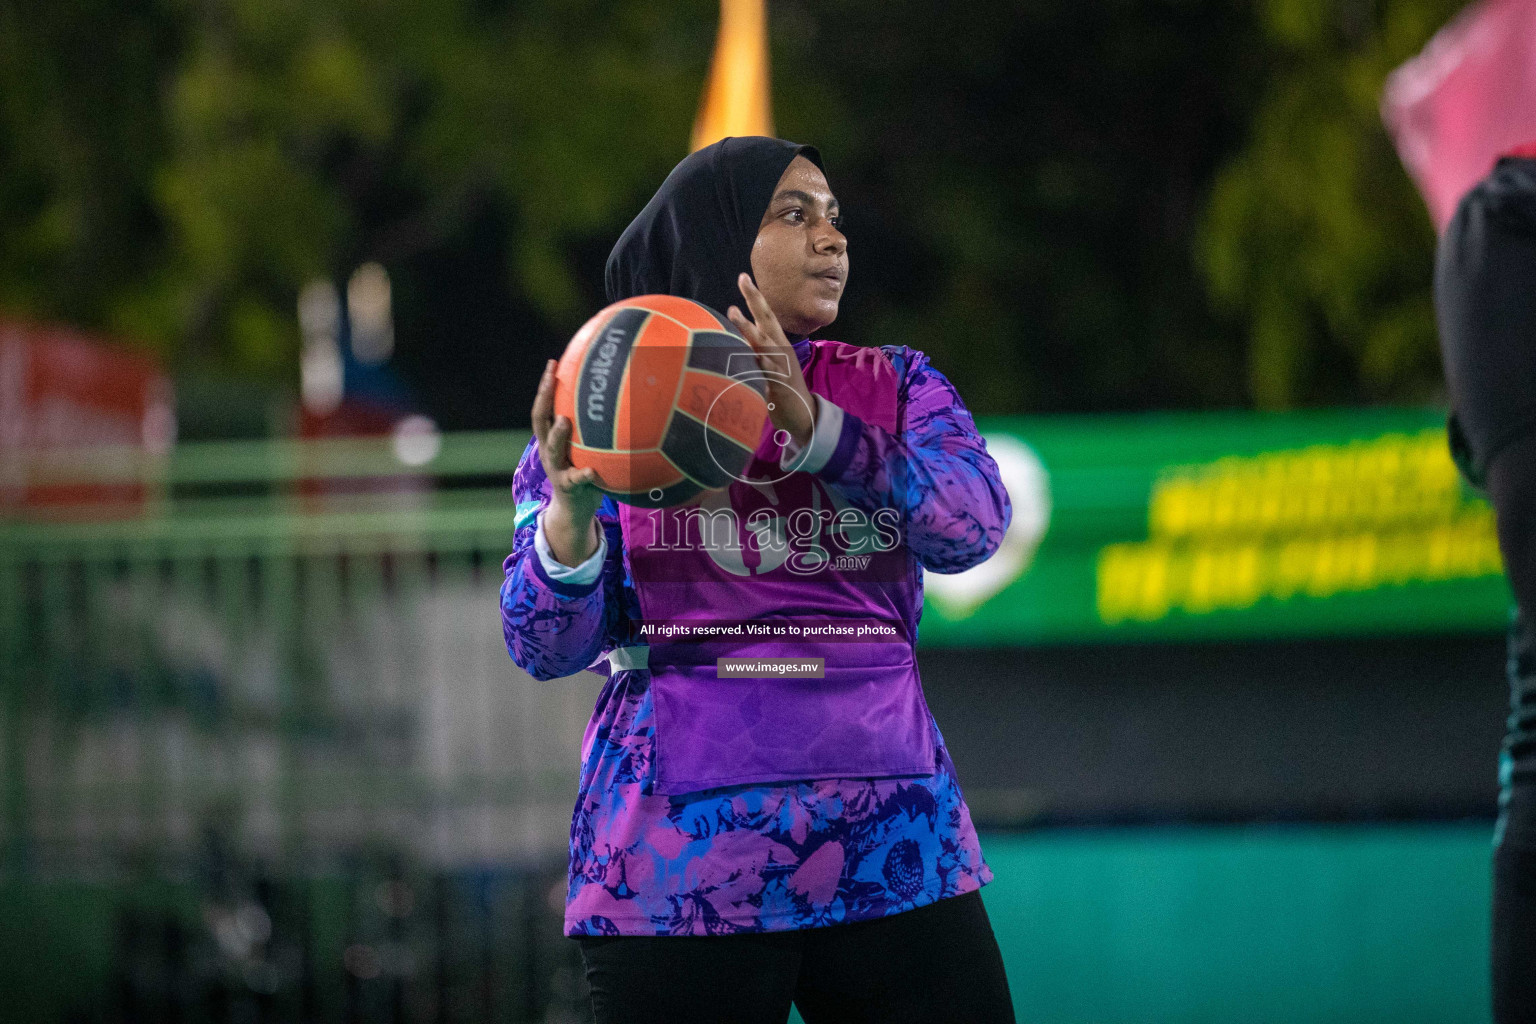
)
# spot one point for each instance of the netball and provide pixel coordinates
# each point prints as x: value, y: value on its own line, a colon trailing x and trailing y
x: 664, y: 399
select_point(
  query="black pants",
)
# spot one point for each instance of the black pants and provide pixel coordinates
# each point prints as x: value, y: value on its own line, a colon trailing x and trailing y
x: 937, y: 964
x: 1514, y: 855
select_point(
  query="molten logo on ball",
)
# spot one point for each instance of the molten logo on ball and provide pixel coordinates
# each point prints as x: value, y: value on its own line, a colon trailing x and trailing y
x: 642, y: 384
x: 600, y: 369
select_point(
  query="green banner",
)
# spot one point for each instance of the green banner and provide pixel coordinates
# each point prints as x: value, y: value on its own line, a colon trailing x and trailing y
x: 1205, y: 526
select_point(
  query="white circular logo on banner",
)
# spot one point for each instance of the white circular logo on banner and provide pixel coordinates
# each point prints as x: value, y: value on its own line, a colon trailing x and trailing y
x: 1029, y: 490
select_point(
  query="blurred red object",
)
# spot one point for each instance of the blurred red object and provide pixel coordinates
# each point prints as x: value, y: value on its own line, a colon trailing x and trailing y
x: 353, y: 418
x: 359, y: 419
x: 1467, y: 98
x: 62, y: 395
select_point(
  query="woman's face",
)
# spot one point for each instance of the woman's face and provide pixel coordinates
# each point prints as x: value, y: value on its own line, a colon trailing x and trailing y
x: 800, y: 258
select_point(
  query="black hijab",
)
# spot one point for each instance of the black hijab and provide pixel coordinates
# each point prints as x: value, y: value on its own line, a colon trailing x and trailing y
x: 695, y: 235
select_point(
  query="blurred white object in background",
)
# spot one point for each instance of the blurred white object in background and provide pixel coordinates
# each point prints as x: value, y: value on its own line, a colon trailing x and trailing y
x: 320, y: 370
x: 370, y: 315
x: 417, y: 440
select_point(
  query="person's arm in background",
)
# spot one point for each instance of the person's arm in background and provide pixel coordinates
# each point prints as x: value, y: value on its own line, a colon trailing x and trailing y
x: 935, y: 471
x: 1485, y: 308
x: 559, y: 596
x: 1512, y: 489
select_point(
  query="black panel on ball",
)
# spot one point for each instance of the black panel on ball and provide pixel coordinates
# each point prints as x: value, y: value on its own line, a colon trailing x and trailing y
x: 725, y: 323
x: 687, y: 449
x: 727, y: 355
x: 728, y: 455
x: 602, y: 376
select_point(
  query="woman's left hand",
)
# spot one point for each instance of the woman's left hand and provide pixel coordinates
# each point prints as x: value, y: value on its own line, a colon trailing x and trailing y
x: 790, y: 404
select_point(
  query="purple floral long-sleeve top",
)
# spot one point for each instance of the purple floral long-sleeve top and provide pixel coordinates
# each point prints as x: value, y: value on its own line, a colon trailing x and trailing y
x: 770, y: 857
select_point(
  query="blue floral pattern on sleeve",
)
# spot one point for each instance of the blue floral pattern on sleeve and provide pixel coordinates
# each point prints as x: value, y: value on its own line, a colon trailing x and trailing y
x: 935, y: 470
x: 554, y: 630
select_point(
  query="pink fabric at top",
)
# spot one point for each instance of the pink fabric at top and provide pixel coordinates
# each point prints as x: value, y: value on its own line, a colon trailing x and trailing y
x: 1467, y: 98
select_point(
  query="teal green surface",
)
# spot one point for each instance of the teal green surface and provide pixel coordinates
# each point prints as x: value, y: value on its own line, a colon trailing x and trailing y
x: 1294, y: 924
x: 1316, y: 924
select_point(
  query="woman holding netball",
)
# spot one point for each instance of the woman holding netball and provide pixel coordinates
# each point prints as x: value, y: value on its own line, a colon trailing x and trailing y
x: 742, y: 844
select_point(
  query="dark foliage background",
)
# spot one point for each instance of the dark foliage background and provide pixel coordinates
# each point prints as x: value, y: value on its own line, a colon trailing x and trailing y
x: 1131, y: 204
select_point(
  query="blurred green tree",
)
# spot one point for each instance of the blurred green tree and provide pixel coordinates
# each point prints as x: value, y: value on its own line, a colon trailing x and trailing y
x: 175, y: 171
x: 81, y: 132
x: 1314, y: 242
x: 1022, y: 184
x: 1129, y: 204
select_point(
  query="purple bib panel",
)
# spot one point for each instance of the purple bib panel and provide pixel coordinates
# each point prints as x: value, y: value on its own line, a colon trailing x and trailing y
x: 786, y: 551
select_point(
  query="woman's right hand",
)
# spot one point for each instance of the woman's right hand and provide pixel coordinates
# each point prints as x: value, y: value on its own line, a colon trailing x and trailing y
x: 570, y: 523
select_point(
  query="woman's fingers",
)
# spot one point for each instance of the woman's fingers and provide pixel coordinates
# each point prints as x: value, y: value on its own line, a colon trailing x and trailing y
x: 782, y: 364
x: 560, y: 444
x: 576, y: 482
x: 767, y: 360
x: 762, y: 314
x: 544, y: 403
x: 554, y: 434
x: 544, y: 417
x: 748, y: 329
x: 755, y: 301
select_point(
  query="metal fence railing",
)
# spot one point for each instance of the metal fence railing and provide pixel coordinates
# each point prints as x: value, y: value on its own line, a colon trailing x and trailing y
x: 271, y: 677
